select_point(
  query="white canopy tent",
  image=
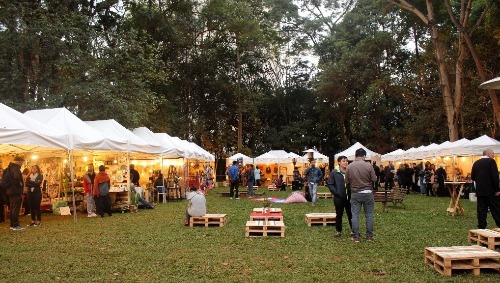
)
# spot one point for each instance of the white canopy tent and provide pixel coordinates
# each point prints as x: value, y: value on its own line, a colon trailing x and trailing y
x: 392, y: 156
x: 112, y: 129
x: 453, y: 148
x: 317, y: 155
x: 22, y: 134
x: 246, y: 159
x: 350, y: 153
x: 478, y: 145
x: 169, y: 150
x: 491, y: 84
x: 82, y: 136
x: 273, y: 156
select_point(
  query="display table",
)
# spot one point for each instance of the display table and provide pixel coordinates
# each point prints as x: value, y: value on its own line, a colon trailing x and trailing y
x: 455, y: 190
x: 120, y: 197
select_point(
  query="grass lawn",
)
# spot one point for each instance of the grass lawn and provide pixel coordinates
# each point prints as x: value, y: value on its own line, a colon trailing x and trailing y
x: 154, y: 246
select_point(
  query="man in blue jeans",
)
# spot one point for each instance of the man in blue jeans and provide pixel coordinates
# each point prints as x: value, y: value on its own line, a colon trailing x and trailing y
x: 360, y: 175
x: 314, y: 176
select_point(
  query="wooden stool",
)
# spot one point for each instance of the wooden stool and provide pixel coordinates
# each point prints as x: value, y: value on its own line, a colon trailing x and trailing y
x: 484, y: 237
x: 320, y: 218
x: 471, y: 258
x: 265, y: 228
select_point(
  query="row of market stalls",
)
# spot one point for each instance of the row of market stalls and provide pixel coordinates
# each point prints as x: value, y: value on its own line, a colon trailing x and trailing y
x: 456, y: 157
x: 63, y: 146
x: 279, y: 162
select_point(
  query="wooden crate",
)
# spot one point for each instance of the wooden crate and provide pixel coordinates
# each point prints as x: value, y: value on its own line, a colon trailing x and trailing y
x: 324, y: 195
x: 469, y: 258
x: 277, y: 216
x: 261, y: 228
x: 320, y: 218
x: 271, y: 209
x: 208, y: 220
x: 484, y: 237
x: 272, y: 188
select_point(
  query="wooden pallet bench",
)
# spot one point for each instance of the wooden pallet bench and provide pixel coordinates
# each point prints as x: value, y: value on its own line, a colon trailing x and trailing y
x: 277, y: 216
x: 484, y: 237
x: 324, y: 195
x: 261, y: 228
x: 208, y: 220
x: 394, y: 196
x: 271, y: 209
x: 469, y: 258
x: 320, y: 218
x: 272, y: 188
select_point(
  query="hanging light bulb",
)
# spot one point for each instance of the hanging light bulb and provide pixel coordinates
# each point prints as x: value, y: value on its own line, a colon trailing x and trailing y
x: 85, y: 158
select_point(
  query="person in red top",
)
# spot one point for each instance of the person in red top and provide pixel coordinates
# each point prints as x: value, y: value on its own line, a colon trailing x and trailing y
x: 88, y: 185
x: 101, y: 192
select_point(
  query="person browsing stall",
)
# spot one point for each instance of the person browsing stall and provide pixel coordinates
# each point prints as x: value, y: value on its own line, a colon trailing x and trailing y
x: 88, y: 186
x: 34, y: 182
x: 101, y: 192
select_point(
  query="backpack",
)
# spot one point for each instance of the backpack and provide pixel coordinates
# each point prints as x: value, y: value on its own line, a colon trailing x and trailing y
x: 103, y: 188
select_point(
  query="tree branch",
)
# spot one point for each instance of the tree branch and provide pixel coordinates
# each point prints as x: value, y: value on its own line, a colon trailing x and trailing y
x: 407, y: 6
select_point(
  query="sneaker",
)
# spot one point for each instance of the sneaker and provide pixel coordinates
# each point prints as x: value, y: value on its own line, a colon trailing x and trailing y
x: 230, y: 198
x: 32, y: 224
x: 369, y: 239
x: 38, y: 224
x: 18, y: 228
x: 356, y: 240
x: 11, y: 228
x: 337, y: 234
x: 237, y: 198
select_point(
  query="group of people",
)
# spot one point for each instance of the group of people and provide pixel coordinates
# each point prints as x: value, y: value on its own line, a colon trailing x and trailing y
x: 251, y: 174
x: 12, y: 188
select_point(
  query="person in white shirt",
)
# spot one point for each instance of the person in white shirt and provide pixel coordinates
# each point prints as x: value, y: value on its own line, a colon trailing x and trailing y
x: 197, y: 204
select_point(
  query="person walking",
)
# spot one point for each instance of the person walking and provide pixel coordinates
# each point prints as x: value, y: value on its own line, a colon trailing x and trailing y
x: 234, y: 178
x: 88, y: 186
x: 314, y: 176
x: 485, y: 176
x: 250, y: 180
x: 101, y: 192
x: 341, y: 193
x: 359, y: 176
x: 34, y: 182
x: 13, y: 182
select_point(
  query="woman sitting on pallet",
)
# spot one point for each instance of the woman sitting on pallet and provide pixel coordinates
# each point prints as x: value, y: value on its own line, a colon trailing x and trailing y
x: 197, y: 204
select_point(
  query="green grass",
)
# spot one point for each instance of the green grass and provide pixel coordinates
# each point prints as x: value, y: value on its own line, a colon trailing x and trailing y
x: 154, y: 246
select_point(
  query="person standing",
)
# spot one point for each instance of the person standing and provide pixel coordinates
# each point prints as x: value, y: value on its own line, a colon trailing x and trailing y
x: 88, y: 186
x: 428, y: 180
x: 407, y: 178
x: 34, y: 182
x: 101, y: 192
x: 314, y: 176
x: 3, y: 198
x: 251, y: 180
x: 234, y: 178
x: 377, y: 173
x: 341, y: 193
x: 360, y: 175
x: 14, y: 184
x: 134, y: 176
x: 485, y: 176
x: 257, y: 175
x: 389, y: 176
x: 441, y: 177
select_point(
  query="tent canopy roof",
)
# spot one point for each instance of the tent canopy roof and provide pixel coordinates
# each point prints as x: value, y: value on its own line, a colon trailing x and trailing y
x: 350, y: 152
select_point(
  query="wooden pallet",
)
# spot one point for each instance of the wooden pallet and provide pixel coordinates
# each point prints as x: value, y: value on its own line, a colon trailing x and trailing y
x: 474, y: 258
x: 271, y: 209
x: 208, y: 220
x: 272, y: 188
x: 265, y: 228
x: 324, y: 195
x: 484, y: 237
x: 320, y: 218
x: 277, y: 216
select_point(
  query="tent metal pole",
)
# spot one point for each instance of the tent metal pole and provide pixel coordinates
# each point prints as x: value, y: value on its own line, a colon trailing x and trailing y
x: 72, y: 176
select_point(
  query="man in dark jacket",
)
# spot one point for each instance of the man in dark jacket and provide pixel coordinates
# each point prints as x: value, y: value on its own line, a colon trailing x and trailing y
x: 485, y: 175
x: 441, y: 177
x: 14, y: 184
x: 341, y: 193
x: 389, y: 176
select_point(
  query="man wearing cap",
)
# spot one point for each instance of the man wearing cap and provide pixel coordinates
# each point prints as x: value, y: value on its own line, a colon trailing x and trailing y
x: 14, y: 185
x: 485, y: 175
x: 360, y: 176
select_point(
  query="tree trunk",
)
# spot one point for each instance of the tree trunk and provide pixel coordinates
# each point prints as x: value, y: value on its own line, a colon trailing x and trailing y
x: 238, y: 90
x: 443, y: 74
